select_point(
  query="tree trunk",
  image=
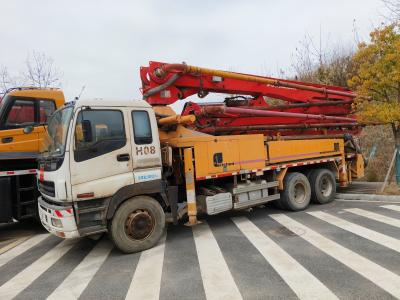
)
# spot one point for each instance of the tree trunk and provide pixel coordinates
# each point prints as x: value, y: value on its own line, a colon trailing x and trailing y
x: 396, y: 134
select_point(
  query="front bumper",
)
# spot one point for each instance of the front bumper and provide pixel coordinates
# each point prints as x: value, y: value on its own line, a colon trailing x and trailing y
x: 58, y: 220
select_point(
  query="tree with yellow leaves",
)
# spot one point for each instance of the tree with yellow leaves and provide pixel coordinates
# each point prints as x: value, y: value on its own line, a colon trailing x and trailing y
x: 376, y: 80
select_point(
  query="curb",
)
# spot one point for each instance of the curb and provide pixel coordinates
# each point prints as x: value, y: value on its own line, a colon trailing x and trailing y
x: 372, y: 197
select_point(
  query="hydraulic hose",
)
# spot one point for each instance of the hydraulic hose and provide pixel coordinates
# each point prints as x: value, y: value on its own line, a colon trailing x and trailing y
x: 161, y: 87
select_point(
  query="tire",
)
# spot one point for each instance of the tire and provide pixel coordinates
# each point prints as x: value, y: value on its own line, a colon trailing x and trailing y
x: 146, y: 216
x: 297, y: 192
x: 323, y: 186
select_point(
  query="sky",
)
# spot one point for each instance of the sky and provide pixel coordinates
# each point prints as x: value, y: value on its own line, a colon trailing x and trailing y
x: 101, y: 44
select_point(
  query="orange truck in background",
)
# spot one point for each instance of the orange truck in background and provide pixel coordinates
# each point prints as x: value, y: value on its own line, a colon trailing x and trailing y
x: 24, y: 113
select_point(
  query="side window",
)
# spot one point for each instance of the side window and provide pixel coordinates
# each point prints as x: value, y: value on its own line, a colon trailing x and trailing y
x: 21, y: 113
x: 141, y: 127
x: 46, y: 108
x: 107, y: 133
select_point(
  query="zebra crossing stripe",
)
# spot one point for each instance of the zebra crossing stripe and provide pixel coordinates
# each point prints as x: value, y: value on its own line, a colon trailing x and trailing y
x: 79, y: 278
x: 146, y: 280
x: 217, y: 279
x: 24, y: 278
x: 301, y: 281
x: 21, y: 248
x: 392, y: 207
x: 366, y: 233
x: 380, y: 276
x: 374, y: 216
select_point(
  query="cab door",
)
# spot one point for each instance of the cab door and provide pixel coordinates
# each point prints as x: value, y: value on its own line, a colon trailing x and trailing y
x: 146, y: 153
x: 101, y: 160
x: 20, y: 113
x: 21, y: 126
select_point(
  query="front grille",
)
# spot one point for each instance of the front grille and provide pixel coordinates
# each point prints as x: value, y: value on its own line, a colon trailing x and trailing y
x: 47, y: 188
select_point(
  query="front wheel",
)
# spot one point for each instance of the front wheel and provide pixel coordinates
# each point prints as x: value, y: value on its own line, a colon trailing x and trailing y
x: 137, y: 225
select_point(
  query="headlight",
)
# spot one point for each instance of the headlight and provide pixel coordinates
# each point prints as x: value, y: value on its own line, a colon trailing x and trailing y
x: 56, y: 222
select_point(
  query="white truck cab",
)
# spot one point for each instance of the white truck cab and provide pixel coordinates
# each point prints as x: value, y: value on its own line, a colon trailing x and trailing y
x: 99, y: 154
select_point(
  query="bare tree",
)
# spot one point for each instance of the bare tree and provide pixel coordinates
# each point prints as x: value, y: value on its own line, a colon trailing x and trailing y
x: 393, y: 6
x: 317, y: 62
x: 4, y: 79
x: 41, y: 71
x: 7, y: 80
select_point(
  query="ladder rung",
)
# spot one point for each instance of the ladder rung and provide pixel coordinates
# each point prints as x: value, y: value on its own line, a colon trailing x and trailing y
x: 28, y: 202
x: 26, y: 189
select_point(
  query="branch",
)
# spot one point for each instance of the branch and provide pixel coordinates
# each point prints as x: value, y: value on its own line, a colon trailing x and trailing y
x: 41, y: 71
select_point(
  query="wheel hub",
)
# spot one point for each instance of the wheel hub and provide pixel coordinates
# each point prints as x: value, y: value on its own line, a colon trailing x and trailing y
x: 326, y: 186
x: 139, y: 225
x: 299, y: 193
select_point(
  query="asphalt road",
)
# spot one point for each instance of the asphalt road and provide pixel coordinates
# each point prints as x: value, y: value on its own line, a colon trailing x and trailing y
x: 361, y: 187
x: 345, y: 250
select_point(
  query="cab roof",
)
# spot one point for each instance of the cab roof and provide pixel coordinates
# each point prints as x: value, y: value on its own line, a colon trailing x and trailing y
x: 39, y: 93
x: 111, y: 103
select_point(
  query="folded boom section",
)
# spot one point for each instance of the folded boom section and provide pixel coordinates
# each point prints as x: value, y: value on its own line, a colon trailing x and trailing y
x: 253, y: 104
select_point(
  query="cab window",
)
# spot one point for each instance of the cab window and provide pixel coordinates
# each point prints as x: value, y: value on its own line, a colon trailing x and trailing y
x: 107, y: 133
x: 22, y: 112
x: 46, y: 109
x: 141, y: 127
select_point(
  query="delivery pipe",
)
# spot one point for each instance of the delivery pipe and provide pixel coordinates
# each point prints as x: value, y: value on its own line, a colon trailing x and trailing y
x: 220, y: 129
x: 222, y: 109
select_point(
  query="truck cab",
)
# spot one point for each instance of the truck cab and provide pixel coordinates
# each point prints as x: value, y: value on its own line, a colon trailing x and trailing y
x: 23, y: 114
x: 101, y: 153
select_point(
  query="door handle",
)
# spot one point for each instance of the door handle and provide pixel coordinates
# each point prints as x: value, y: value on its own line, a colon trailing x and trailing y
x: 6, y: 140
x: 123, y: 157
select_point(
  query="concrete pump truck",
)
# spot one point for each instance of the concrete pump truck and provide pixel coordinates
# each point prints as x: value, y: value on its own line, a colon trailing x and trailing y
x: 128, y: 167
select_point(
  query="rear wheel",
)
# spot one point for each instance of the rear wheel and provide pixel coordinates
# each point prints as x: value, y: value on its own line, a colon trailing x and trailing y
x: 323, y: 186
x: 137, y: 225
x: 297, y: 192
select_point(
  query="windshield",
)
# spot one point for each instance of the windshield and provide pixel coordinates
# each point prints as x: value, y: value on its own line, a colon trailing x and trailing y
x: 57, y: 130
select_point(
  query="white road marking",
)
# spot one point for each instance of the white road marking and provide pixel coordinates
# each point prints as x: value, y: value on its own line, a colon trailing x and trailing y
x: 392, y: 207
x: 301, y: 281
x: 217, y: 279
x: 366, y: 233
x: 73, y: 286
x: 367, y: 201
x: 21, y: 248
x: 374, y: 216
x: 146, y: 281
x: 23, y: 279
x: 380, y: 276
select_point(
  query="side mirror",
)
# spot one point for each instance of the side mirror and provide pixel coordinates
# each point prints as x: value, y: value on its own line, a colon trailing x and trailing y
x: 28, y: 129
x: 87, y: 131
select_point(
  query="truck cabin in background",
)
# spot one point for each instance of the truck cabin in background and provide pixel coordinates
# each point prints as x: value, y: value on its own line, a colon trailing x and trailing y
x: 24, y: 113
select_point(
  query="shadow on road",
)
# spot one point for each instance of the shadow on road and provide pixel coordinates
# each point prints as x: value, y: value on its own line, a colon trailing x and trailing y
x: 13, y: 232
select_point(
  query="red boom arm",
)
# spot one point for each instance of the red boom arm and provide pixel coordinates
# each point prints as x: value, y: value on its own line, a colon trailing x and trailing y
x: 306, y: 108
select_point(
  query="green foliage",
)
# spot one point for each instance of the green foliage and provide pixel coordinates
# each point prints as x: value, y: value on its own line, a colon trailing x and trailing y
x: 376, y: 76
